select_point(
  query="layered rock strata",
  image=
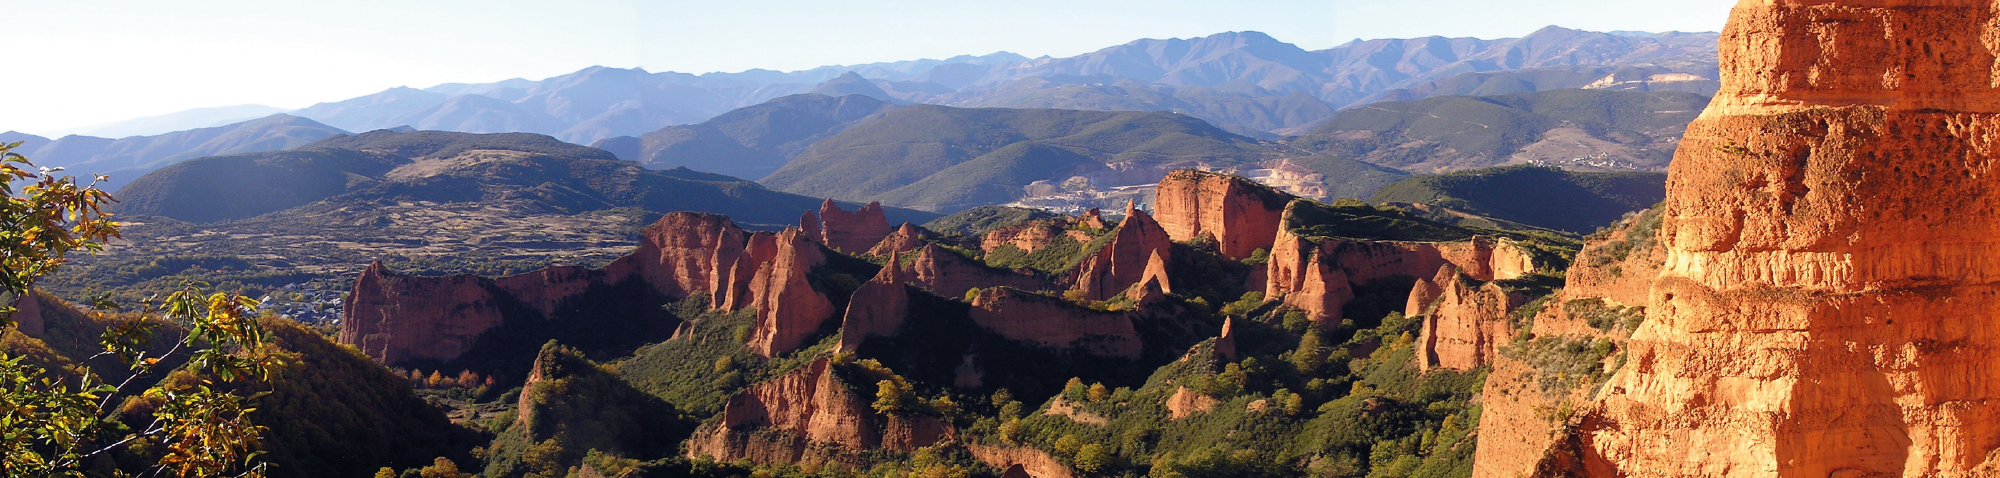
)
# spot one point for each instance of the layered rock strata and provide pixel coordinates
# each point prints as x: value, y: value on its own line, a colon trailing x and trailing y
x: 1826, y: 304
x: 1240, y: 215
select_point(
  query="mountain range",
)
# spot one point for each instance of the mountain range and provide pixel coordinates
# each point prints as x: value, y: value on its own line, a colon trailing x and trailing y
x: 128, y: 158
x: 1246, y: 82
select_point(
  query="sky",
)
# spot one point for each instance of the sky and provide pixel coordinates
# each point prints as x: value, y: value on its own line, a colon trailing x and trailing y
x: 76, y: 63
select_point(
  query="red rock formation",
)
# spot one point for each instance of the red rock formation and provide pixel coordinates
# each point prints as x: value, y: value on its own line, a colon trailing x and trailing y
x: 878, y: 308
x: 1318, y: 276
x: 1032, y: 236
x: 1826, y: 301
x: 949, y: 275
x: 788, y: 309
x: 1225, y: 343
x: 1093, y: 219
x: 1122, y: 262
x: 1468, y: 325
x: 1029, y: 462
x: 853, y: 232
x: 816, y: 405
x: 906, y: 238
x: 1239, y: 214
x: 1427, y: 291
x: 1055, y: 323
x: 394, y: 318
x: 1186, y: 402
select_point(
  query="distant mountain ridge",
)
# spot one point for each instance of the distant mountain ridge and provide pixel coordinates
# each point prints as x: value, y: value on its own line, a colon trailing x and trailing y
x: 1246, y: 82
x: 128, y: 158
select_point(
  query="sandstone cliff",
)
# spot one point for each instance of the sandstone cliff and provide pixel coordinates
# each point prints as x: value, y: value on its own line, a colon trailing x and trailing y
x: 788, y: 308
x: 1823, y: 307
x: 1466, y: 324
x: 1032, y: 236
x: 878, y: 308
x: 1317, y: 274
x: 833, y: 420
x: 1240, y: 215
x: 395, y: 318
x: 1055, y: 323
x: 1121, y: 263
x: 850, y: 232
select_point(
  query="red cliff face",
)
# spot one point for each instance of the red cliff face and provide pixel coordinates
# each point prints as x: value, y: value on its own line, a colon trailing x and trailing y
x: 1055, y: 323
x: 833, y: 420
x: 1827, y: 300
x: 1240, y: 215
x: 906, y: 239
x: 394, y: 318
x: 1465, y: 328
x: 850, y: 232
x: 1318, y: 275
x: 878, y: 308
x: 948, y: 274
x: 1122, y: 262
x: 788, y: 309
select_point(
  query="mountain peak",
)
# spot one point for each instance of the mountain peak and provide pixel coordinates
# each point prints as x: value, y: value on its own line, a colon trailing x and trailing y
x: 851, y: 83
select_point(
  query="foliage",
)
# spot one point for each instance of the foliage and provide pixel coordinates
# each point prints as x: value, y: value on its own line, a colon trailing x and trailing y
x: 53, y: 427
x: 1540, y: 197
x: 1566, y: 362
x: 1606, y: 316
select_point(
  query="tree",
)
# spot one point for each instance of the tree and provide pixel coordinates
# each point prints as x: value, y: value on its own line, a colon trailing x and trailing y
x: 53, y: 425
x: 468, y: 379
x: 1093, y: 458
x: 1098, y: 393
x: 893, y: 395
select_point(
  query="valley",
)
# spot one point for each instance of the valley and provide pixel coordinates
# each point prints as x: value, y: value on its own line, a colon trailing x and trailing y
x: 1746, y: 254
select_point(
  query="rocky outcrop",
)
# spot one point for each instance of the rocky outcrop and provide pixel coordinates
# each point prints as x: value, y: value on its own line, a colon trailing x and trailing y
x: 394, y: 318
x: 877, y: 309
x: 1825, y: 304
x: 907, y: 238
x: 1240, y: 215
x: 948, y: 274
x: 1317, y: 275
x: 1122, y: 262
x: 1020, y: 461
x: 850, y: 232
x: 1055, y: 323
x: 816, y: 406
x: 1467, y: 324
x: 1030, y: 236
x: 788, y: 309
x: 1225, y: 342
x: 1185, y: 403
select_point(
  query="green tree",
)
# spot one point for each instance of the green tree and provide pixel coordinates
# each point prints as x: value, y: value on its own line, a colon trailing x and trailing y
x: 1093, y: 458
x: 52, y: 425
x: 893, y: 395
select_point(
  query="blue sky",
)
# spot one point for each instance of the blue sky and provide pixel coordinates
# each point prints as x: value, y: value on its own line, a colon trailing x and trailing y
x: 87, y: 62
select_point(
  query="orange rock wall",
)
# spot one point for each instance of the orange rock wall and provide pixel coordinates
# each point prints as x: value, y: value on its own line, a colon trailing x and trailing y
x: 1241, y: 215
x: 1826, y: 303
x: 1467, y: 325
x: 812, y: 403
x: 1121, y: 263
x: 788, y: 309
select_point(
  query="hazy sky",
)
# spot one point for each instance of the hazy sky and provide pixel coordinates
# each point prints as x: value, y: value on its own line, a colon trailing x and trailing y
x: 73, y: 63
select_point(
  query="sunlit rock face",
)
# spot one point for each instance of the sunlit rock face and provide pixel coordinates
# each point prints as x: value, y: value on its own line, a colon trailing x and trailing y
x: 1827, y: 305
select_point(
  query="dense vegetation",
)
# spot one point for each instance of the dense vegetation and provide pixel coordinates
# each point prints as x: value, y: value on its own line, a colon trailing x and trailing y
x: 978, y: 221
x: 1569, y: 201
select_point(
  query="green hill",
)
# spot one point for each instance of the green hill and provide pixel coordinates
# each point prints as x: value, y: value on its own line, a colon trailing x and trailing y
x: 1575, y: 202
x: 1588, y: 129
x: 531, y: 172
x: 752, y: 141
x: 891, y: 157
